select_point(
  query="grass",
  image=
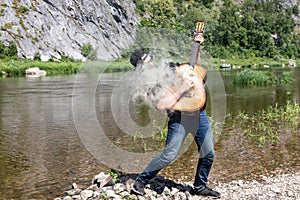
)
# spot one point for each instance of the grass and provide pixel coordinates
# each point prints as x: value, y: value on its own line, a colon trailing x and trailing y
x: 266, y: 126
x: 261, y: 78
x: 254, y: 62
x: 17, y: 67
x: 262, y: 128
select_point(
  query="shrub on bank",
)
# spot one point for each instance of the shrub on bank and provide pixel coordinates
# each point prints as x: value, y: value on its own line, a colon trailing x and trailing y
x: 17, y: 67
x: 261, y: 78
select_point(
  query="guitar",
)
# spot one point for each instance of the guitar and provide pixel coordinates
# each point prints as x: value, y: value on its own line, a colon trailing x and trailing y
x: 189, y: 101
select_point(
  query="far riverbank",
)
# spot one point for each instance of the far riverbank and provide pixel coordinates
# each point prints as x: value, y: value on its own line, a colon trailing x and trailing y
x: 17, y: 67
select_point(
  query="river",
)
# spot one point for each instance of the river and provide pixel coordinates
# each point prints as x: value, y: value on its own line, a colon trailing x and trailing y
x: 43, y: 148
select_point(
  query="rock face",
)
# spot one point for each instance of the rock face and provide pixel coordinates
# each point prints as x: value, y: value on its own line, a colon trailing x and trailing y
x: 61, y: 27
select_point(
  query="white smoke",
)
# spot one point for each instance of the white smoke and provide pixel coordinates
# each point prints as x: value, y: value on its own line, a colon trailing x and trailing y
x: 150, y: 83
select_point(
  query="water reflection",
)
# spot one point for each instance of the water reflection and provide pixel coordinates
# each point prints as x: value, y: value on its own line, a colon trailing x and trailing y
x: 41, y: 153
x: 40, y: 150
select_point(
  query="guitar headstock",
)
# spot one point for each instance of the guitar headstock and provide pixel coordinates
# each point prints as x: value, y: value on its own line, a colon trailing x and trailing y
x: 200, y: 26
x: 198, y: 34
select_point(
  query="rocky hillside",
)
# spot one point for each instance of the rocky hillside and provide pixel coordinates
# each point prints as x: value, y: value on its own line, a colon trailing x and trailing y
x: 61, y: 27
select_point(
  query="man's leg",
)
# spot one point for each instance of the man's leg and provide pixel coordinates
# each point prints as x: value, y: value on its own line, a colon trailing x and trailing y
x: 204, y: 140
x: 175, y: 137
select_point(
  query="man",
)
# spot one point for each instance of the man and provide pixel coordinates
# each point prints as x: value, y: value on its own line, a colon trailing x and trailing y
x: 179, y: 125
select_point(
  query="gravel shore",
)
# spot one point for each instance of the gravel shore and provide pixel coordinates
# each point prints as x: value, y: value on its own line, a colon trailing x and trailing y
x: 281, y: 187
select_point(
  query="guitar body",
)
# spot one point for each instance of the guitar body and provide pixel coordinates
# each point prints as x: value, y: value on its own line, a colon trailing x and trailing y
x: 189, y: 101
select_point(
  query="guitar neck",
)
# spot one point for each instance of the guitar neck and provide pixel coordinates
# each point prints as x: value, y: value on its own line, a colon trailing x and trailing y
x: 195, y: 51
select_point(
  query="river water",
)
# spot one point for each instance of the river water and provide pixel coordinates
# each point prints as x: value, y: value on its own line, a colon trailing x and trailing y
x: 43, y: 148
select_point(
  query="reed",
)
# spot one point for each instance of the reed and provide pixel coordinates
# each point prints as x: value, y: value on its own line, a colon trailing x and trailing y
x: 261, y: 78
x: 262, y: 128
x: 265, y: 126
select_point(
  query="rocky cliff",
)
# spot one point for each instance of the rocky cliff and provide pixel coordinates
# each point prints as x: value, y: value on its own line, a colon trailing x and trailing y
x: 61, y: 27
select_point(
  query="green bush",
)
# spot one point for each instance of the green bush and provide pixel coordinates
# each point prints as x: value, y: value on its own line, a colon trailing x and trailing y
x: 265, y: 127
x: 88, y: 51
x: 14, y: 67
x: 37, y: 56
x: 261, y: 78
x: 9, y: 51
x: 244, y: 30
x: 23, y: 10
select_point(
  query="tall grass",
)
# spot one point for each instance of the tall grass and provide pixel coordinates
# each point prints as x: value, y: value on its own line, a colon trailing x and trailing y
x: 17, y: 67
x: 266, y: 126
x: 261, y: 78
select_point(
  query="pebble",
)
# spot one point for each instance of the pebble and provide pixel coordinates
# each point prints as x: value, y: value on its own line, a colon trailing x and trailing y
x: 283, y: 187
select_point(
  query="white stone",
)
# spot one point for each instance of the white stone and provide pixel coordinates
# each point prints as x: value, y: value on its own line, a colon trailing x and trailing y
x: 67, y: 198
x: 85, y: 194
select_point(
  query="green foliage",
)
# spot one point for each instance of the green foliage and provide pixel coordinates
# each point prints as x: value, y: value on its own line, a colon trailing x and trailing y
x: 10, y: 51
x: 246, y: 30
x: 65, y: 58
x: 22, y: 10
x: 160, y: 13
x: 266, y: 126
x: 7, y: 26
x: 17, y: 67
x: 115, y: 175
x: 88, y: 51
x: 162, y: 43
x: 261, y: 78
x: 286, y: 77
x: 37, y: 56
x: 2, y: 50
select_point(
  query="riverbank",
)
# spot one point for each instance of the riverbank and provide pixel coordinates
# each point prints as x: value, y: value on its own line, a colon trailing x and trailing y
x: 17, y: 67
x: 283, y: 187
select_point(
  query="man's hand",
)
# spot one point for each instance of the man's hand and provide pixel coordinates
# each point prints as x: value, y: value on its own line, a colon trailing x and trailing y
x: 186, y: 85
x: 193, y: 80
x: 168, y: 101
x: 198, y: 37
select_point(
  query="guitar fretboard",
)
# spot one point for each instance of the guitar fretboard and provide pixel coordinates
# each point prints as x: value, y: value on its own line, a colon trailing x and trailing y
x: 194, y: 55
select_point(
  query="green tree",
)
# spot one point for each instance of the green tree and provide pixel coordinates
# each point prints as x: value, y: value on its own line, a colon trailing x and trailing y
x: 37, y: 56
x: 162, y: 14
x: 2, y: 50
x: 12, y: 49
x: 88, y: 51
x: 229, y: 24
x: 252, y: 28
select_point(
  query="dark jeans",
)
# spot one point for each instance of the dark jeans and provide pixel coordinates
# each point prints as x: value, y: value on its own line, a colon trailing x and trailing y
x: 179, y: 126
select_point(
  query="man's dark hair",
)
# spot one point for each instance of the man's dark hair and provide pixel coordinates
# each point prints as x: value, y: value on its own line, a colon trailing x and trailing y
x: 172, y: 65
x: 136, y: 57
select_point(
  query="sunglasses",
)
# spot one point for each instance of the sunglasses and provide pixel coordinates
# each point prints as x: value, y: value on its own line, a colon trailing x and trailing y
x: 145, y: 56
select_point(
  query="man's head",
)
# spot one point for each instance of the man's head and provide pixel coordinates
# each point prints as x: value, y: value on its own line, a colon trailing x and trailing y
x: 139, y: 57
